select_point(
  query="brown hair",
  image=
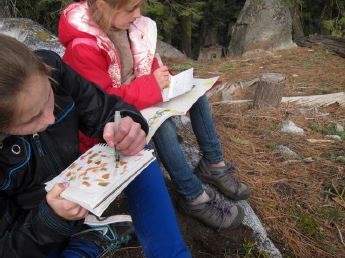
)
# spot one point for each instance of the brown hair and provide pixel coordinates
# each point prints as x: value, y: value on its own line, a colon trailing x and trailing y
x: 17, y: 64
x: 102, y: 11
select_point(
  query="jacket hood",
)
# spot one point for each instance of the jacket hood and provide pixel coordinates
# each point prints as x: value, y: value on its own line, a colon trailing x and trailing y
x: 75, y: 23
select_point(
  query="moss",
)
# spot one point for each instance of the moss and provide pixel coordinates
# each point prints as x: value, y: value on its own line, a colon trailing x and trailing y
x: 251, y: 251
x: 326, y: 130
x: 42, y: 35
x: 309, y: 225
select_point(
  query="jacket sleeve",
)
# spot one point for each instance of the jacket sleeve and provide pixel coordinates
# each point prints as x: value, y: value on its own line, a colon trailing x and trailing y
x: 91, y: 63
x: 95, y: 107
x: 33, y: 228
x: 36, y: 231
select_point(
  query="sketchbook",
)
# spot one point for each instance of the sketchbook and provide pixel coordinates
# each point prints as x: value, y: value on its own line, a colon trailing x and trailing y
x: 94, y: 182
x: 179, y: 105
x: 179, y: 84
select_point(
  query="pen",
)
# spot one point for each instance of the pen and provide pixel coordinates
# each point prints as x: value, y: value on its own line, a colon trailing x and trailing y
x: 117, y: 118
x: 159, y: 60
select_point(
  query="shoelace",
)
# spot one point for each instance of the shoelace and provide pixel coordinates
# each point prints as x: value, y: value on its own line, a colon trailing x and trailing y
x: 115, y: 245
x: 220, y: 208
x: 228, y: 175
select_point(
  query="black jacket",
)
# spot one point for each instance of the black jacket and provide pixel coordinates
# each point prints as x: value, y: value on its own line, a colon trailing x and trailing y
x: 28, y: 226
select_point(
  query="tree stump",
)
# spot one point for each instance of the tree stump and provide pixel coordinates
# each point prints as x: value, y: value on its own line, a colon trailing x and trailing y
x: 269, y: 90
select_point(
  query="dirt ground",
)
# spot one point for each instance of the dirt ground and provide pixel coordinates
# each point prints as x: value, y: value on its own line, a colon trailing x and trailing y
x: 301, y: 203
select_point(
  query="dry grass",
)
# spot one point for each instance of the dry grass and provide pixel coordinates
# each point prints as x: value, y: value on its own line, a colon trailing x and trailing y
x: 301, y: 204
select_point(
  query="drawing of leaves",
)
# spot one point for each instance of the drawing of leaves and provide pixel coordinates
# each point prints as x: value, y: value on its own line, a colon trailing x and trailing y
x: 73, y: 165
x: 104, y: 184
x: 93, y: 155
x: 86, y: 183
x: 105, y: 176
x: 72, y: 178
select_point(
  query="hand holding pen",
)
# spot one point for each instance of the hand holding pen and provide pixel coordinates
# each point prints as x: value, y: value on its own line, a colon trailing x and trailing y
x: 125, y: 135
x: 162, y: 74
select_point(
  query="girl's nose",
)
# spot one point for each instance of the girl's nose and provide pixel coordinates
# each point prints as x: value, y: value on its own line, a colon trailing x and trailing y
x: 137, y: 13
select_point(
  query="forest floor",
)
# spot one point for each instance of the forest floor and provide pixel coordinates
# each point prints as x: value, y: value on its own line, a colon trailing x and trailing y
x: 302, y: 204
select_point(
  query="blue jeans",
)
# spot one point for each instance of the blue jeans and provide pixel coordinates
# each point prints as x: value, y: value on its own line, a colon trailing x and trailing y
x: 153, y: 218
x: 172, y: 157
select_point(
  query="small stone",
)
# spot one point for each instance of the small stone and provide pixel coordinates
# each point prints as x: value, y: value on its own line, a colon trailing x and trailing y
x: 334, y: 137
x: 308, y: 160
x: 290, y: 127
x: 340, y: 159
x: 339, y: 128
x: 287, y: 153
x: 185, y: 120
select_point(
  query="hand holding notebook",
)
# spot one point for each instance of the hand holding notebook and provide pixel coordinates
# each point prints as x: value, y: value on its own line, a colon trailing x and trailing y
x: 179, y: 83
x: 94, y: 182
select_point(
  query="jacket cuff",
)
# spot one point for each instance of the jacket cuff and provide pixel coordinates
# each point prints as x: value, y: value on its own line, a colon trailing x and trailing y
x: 50, y: 224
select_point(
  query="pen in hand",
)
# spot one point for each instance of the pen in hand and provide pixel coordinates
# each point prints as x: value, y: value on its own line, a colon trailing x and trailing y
x: 117, y: 118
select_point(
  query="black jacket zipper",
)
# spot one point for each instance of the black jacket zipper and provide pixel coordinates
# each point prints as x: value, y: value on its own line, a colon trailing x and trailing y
x: 37, y: 140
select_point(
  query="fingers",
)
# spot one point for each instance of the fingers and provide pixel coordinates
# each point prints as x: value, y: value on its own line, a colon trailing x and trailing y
x: 133, y: 140
x: 127, y: 136
x: 163, y: 68
x: 133, y: 143
x: 109, y: 134
x: 162, y: 76
x: 62, y: 207
x: 55, y: 192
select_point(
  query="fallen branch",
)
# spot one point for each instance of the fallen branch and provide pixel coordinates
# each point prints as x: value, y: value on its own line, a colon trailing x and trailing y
x: 314, y: 100
x: 339, y: 201
x: 319, y: 141
x: 318, y: 100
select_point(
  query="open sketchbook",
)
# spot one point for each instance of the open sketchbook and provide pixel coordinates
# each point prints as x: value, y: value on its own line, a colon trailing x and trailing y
x: 94, y: 182
x: 179, y: 105
x: 179, y: 84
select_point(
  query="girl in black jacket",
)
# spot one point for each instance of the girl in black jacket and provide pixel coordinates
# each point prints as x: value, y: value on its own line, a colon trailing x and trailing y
x: 43, y: 104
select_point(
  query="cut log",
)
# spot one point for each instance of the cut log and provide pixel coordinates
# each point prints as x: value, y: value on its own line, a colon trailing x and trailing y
x: 269, y: 90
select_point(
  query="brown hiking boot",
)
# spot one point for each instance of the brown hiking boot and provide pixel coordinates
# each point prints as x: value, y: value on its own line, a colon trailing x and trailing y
x: 224, y: 179
x: 217, y: 212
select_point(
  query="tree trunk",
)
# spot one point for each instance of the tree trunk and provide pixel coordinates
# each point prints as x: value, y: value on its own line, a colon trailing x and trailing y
x: 297, y: 26
x: 269, y: 90
x: 326, y: 14
x: 186, y: 39
x: 5, y: 9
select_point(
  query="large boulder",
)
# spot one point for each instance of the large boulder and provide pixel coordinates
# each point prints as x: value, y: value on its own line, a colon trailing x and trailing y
x: 262, y: 24
x: 166, y: 50
x: 31, y: 34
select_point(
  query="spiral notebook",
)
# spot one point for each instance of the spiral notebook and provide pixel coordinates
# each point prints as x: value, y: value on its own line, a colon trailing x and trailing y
x: 95, y: 182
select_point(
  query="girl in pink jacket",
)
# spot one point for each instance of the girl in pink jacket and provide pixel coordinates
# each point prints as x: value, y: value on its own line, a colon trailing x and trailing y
x: 111, y: 44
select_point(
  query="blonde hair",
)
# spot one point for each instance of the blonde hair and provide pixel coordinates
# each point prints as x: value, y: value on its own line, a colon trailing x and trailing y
x: 17, y: 64
x: 102, y: 11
